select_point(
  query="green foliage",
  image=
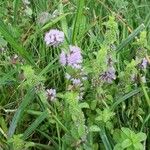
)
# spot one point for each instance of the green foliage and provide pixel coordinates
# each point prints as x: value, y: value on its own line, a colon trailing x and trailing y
x: 31, y: 78
x: 77, y: 124
x: 111, y: 107
x: 127, y: 139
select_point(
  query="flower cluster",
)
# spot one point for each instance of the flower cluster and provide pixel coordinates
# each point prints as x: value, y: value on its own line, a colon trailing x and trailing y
x: 73, y: 58
x: 109, y: 75
x: 76, y: 83
x: 143, y: 63
x: 54, y: 37
x: 51, y: 94
x: 77, y: 76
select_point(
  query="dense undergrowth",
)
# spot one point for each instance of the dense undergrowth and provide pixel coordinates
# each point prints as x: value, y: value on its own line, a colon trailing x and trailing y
x: 74, y: 74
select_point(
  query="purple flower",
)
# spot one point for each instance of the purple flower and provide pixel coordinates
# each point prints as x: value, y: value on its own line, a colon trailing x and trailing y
x: 74, y: 58
x: 54, y: 37
x: 51, y: 94
x: 63, y: 58
x: 76, y: 82
x: 143, y: 63
x: 109, y: 76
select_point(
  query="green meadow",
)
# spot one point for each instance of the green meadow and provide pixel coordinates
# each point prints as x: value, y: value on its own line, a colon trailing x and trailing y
x: 74, y: 75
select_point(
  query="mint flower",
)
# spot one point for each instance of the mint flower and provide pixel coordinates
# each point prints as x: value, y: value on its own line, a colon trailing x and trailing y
x: 54, y: 37
x: 109, y: 75
x: 143, y: 63
x: 76, y: 82
x: 51, y: 94
x: 73, y: 58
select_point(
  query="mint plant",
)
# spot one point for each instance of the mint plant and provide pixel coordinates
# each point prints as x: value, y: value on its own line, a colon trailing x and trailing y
x: 129, y: 140
x: 74, y: 75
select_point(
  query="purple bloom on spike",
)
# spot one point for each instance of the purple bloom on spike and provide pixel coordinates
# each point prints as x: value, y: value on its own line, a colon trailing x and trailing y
x: 74, y: 58
x: 63, y: 59
x: 54, y: 37
x: 51, y: 94
x: 143, y: 63
x: 109, y: 75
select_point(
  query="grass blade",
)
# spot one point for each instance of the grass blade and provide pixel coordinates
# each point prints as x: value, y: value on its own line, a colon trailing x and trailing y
x: 18, y: 48
x: 15, y: 7
x: 27, y: 99
x: 63, y: 21
x: 125, y: 97
x: 51, y: 23
x: 77, y: 23
x: 145, y: 121
x: 105, y: 139
x: 130, y: 37
x: 34, y: 125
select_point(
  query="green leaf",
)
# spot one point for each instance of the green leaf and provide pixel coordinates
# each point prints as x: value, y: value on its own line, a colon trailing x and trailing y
x: 138, y: 146
x: 35, y: 124
x: 126, y: 131
x: 84, y: 105
x: 51, y: 23
x: 105, y: 139
x: 126, y: 143
x: 18, y: 48
x: 125, y: 97
x: 118, y: 147
x: 130, y: 37
x: 93, y: 104
x: 141, y: 136
x: 117, y: 136
x: 94, y: 128
x: 63, y: 20
x: 3, y: 43
x: 16, y: 4
x: 17, y: 116
x: 78, y: 19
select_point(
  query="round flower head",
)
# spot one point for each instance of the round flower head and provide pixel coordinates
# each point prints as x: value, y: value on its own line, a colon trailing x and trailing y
x: 54, y: 37
x: 73, y: 58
